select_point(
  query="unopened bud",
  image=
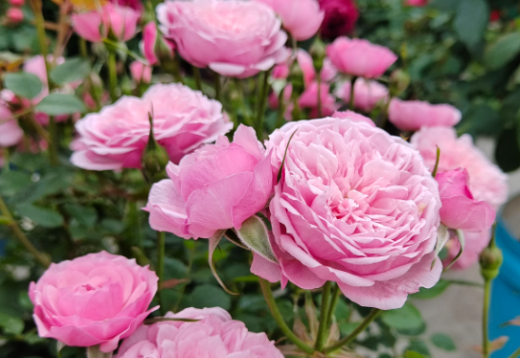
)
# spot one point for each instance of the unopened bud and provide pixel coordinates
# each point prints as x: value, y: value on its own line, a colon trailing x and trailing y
x: 399, y: 81
x: 490, y: 261
x: 16, y: 2
x: 14, y: 15
x: 318, y: 53
x: 164, y: 49
x: 154, y: 158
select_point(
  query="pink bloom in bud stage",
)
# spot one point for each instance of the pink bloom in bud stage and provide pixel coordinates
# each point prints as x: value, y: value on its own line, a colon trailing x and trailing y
x: 17, y: 2
x: 360, y: 58
x: 92, y: 300
x: 367, y: 94
x: 309, y: 99
x: 214, y: 335
x: 141, y: 73
x: 217, y: 187
x: 355, y: 205
x: 301, y: 18
x: 10, y: 131
x: 475, y: 242
x: 94, y: 25
x: 459, y: 209
x: 328, y: 72
x: 116, y: 137
x: 234, y: 38
x: 413, y: 115
x: 14, y: 14
x: 150, y: 41
x: 340, y: 17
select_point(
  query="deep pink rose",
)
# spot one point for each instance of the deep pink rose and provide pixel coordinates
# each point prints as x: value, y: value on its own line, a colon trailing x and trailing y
x: 413, y: 115
x: 360, y: 57
x: 234, y: 38
x: 137, y: 5
x: 309, y: 99
x: 328, y: 72
x: 215, y: 335
x: 416, y: 3
x: 14, y: 15
x: 141, y: 72
x: 367, y: 94
x: 355, y: 205
x: 116, y: 137
x: 301, y: 18
x: 353, y: 116
x: 340, y: 17
x: 17, y: 2
x: 215, y: 188
x: 149, y: 44
x: 94, y: 25
x: 459, y: 209
x: 486, y: 181
x: 95, y: 299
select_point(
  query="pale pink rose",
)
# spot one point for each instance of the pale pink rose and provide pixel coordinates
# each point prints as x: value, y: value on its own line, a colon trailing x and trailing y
x: 309, y: 99
x: 413, y: 115
x: 459, y: 209
x: 359, y: 57
x: 328, y: 72
x: 95, y: 25
x: 14, y: 15
x: 486, y: 181
x: 141, y: 73
x: 215, y: 188
x: 96, y: 299
x: 367, y: 94
x: 301, y: 18
x: 353, y: 116
x: 214, y: 335
x: 116, y: 137
x: 10, y: 131
x: 355, y: 205
x: 150, y: 41
x: 234, y: 38
x: 280, y: 71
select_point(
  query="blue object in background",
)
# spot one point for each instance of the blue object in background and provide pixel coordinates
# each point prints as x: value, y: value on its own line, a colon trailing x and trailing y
x: 505, y: 292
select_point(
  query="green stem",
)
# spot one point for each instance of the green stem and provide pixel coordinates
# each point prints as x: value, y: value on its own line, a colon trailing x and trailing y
x: 352, y: 93
x: 262, y: 103
x: 190, y: 264
x: 40, y: 29
x: 320, y: 110
x: 323, y: 316
x: 198, y: 81
x: 160, y: 265
x: 269, y: 299
x: 112, y: 75
x: 334, y: 301
x: 83, y: 47
x: 350, y: 338
x: 280, y: 115
x: 42, y: 258
x: 385, y: 113
x: 515, y: 354
x: 217, y: 87
x: 245, y: 109
x: 53, y: 143
x: 485, y: 316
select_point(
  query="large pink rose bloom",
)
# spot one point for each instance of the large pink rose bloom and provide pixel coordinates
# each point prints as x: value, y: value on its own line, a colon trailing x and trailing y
x: 116, y: 137
x: 355, y: 206
x: 234, y: 38
x: 92, y: 300
x: 214, y: 335
x: 94, y: 25
x: 217, y: 187
x: 413, y: 115
x: 10, y: 131
x: 367, y: 94
x: 302, y: 18
x: 361, y: 58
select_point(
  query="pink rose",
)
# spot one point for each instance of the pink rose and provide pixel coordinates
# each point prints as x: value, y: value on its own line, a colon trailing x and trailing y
x: 95, y: 299
x: 475, y: 242
x: 356, y: 206
x: 14, y: 15
x: 10, y: 131
x: 412, y: 115
x: 150, y: 41
x: 367, y: 94
x: 94, y: 25
x: 116, y: 137
x: 137, y: 5
x: 340, y: 17
x: 459, y: 209
x: 215, y: 335
x: 217, y: 187
x: 416, y: 3
x: 353, y: 116
x: 17, y: 2
x: 486, y: 181
x: 309, y: 99
x: 280, y: 71
x: 328, y: 72
x: 360, y: 57
x: 141, y: 73
x: 234, y: 38
x: 301, y: 18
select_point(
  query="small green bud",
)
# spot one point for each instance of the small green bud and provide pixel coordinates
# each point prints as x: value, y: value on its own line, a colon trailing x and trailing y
x: 318, y: 53
x: 154, y: 158
x: 490, y: 261
x: 399, y: 82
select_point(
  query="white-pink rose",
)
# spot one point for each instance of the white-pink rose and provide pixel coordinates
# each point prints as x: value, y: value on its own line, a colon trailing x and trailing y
x: 413, y: 115
x: 234, y: 38
x: 355, y: 205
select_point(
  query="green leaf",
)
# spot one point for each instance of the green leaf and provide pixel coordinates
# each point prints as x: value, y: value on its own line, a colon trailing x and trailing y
x: 11, y: 324
x: 13, y: 181
x: 427, y: 293
x: 95, y: 352
x: 507, y: 151
x: 419, y: 347
x: 443, y: 341
x: 407, y: 317
x: 57, y: 103
x: 41, y: 216
x: 255, y: 236
x: 209, y: 296
x: 480, y: 119
x: 213, y: 243
x: 23, y: 84
x: 85, y: 215
x: 412, y: 354
x: 502, y: 51
x: 471, y: 21
x: 73, y: 70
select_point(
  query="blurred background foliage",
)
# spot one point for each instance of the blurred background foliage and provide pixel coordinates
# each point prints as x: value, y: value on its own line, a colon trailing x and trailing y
x: 464, y: 52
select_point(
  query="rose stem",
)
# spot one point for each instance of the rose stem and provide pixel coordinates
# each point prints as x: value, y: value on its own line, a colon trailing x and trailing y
x: 352, y: 93
x: 325, y: 298
x: 42, y: 258
x: 335, y: 296
x: 112, y: 74
x: 320, y: 110
x: 269, y: 299
x: 348, y: 339
x: 262, y: 103
x: 160, y: 265
x: 198, y: 81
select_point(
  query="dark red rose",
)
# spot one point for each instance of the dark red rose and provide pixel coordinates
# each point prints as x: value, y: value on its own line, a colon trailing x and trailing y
x: 340, y: 17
